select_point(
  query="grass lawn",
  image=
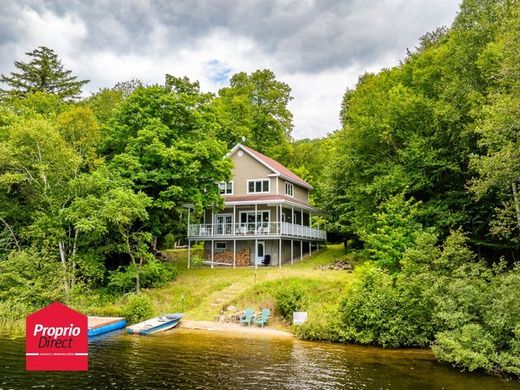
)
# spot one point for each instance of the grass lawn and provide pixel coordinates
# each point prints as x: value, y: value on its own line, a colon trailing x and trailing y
x: 202, y: 292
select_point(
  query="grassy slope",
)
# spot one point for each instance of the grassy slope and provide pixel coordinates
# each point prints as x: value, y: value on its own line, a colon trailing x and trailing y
x: 202, y: 292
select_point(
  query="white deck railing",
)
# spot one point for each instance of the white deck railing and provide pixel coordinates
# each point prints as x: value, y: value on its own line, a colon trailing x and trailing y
x: 257, y: 229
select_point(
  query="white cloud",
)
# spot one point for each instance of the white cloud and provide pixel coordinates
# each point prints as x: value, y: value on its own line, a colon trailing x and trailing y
x: 318, y: 48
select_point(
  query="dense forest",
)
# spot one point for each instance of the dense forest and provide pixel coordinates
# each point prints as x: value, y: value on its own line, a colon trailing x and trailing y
x: 422, y: 180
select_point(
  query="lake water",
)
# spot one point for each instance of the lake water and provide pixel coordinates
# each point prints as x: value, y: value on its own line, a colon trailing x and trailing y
x: 189, y: 359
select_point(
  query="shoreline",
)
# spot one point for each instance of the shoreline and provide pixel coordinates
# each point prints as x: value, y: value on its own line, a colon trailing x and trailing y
x: 234, y: 328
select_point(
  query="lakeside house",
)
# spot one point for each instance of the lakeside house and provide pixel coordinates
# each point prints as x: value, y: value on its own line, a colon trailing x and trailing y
x: 266, y: 219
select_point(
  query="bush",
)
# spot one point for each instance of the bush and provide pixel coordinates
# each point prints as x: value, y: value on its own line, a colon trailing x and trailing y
x: 168, y: 241
x: 323, y: 323
x: 290, y: 298
x: 442, y: 295
x: 153, y: 274
x: 197, y: 261
x: 138, y: 307
x: 30, y: 280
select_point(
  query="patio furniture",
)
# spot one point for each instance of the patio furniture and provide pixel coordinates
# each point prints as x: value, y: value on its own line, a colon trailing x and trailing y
x: 262, y: 318
x: 247, y: 317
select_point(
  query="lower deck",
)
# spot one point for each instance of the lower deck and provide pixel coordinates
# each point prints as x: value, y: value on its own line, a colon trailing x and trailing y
x: 259, y: 253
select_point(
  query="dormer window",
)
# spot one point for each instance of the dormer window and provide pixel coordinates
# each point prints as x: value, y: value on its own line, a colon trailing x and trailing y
x: 289, y: 189
x: 258, y: 186
x: 226, y: 188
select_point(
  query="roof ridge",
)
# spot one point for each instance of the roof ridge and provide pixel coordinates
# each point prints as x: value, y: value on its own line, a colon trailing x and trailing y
x: 277, y: 165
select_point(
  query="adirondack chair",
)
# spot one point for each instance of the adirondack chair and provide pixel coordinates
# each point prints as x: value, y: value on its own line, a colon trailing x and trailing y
x: 262, y: 318
x: 247, y: 317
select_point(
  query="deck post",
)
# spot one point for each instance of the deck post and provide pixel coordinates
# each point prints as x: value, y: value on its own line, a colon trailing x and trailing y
x: 255, y: 256
x: 279, y: 218
x: 292, y: 252
x: 301, y: 250
x: 189, y: 253
x: 234, y: 227
x: 212, y: 253
x: 256, y: 222
x: 310, y: 248
x: 301, y: 222
x: 280, y: 254
x: 234, y: 254
x: 292, y: 220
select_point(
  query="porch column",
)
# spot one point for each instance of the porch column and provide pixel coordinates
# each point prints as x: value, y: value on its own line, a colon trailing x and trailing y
x: 301, y: 250
x: 189, y: 253
x: 310, y: 248
x: 233, y: 226
x: 256, y: 223
x: 292, y: 252
x: 234, y: 254
x: 280, y: 219
x: 212, y: 253
x: 255, y: 254
x: 301, y: 221
x: 292, y: 220
x: 280, y: 254
x: 212, y: 222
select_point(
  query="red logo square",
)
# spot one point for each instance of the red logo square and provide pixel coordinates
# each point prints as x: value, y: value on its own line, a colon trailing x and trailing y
x: 56, y: 339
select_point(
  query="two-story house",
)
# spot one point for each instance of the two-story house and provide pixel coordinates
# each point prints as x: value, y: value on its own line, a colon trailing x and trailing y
x: 266, y: 220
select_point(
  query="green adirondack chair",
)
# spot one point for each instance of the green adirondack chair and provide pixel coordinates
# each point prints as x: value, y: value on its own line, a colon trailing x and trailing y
x: 263, y: 318
x: 247, y: 317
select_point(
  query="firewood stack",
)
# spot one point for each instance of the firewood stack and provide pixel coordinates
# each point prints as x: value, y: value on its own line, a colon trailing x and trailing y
x: 243, y: 257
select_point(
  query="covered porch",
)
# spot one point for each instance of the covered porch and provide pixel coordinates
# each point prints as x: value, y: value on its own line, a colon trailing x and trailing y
x: 279, y: 230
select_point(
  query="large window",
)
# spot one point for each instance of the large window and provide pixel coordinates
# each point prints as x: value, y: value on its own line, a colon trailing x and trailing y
x: 257, y: 186
x: 289, y: 189
x: 226, y: 188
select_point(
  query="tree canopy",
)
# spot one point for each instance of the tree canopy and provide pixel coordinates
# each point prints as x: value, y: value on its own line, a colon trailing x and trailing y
x: 43, y: 73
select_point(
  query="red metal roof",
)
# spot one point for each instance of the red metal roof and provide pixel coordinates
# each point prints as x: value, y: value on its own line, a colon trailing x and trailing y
x: 277, y: 167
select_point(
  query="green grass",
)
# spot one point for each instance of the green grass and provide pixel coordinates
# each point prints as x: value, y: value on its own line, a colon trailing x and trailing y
x: 201, y: 293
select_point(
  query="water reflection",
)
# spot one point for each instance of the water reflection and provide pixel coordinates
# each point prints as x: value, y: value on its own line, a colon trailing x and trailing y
x: 187, y: 359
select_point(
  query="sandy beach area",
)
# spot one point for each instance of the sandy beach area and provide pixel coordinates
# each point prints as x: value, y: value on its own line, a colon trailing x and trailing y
x: 234, y: 328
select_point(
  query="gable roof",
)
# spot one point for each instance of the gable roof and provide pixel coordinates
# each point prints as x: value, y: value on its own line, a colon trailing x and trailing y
x: 272, y: 164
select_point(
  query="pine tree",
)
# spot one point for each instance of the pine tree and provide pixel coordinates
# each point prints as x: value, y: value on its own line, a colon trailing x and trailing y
x: 44, y: 73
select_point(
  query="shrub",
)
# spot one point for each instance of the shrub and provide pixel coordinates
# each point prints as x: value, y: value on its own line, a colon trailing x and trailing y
x: 323, y: 323
x: 30, y: 280
x: 153, y: 274
x: 197, y: 261
x: 168, y: 241
x: 470, y: 346
x: 290, y: 298
x: 138, y: 308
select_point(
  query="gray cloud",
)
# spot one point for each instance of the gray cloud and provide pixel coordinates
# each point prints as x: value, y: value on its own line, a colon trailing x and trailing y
x: 319, y: 47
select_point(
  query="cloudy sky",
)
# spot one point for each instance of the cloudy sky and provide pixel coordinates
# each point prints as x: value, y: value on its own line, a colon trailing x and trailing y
x: 318, y: 47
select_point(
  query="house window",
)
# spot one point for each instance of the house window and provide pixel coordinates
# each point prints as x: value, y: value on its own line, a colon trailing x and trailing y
x: 226, y: 188
x: 257, y: 186
x: 221, y: 245
x: 289, y: 189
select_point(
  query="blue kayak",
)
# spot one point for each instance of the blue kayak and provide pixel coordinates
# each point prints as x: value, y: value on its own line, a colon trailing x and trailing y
x: 154, y: 325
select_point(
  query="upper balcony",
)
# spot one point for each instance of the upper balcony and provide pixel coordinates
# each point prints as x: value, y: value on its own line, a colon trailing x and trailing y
x: 254, y: 230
